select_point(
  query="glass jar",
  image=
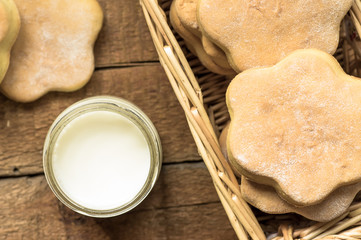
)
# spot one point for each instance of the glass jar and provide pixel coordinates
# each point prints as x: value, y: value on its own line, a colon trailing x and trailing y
x: 92, y: 105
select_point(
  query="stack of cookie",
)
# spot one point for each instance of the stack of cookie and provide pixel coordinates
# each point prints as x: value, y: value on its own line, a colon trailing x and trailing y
x: 243, y: 34
x: 52, y: 48
x: 294, y: 135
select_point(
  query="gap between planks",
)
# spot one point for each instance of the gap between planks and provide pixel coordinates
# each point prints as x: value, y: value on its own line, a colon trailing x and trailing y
x: 126, y: 65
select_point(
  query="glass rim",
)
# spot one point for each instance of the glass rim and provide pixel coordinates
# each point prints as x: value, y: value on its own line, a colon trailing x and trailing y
x: 124, y: 108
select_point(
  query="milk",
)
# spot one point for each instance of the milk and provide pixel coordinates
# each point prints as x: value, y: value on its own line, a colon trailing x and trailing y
x: 101, y: 160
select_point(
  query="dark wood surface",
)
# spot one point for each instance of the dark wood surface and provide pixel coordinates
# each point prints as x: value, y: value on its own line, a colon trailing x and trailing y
x: 183, y: 203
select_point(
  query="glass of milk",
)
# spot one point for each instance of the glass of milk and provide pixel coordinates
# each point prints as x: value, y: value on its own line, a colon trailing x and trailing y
x: 102, y: 156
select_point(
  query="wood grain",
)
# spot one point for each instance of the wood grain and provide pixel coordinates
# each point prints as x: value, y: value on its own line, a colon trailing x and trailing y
x: 23, y: 127
x: 181, y: 185
x: 175, y: 209
x: 124, y: 37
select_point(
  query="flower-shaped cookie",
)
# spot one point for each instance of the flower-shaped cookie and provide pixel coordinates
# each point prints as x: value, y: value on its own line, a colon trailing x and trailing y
x: 9, y: 29
x: 54, y: 49
x: 256, y: 33
x: 296, y: 126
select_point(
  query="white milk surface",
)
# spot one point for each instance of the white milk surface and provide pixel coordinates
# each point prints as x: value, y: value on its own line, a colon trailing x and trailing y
x: 101, y: 160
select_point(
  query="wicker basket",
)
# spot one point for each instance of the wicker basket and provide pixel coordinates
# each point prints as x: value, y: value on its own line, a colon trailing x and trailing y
x: 202, y: 97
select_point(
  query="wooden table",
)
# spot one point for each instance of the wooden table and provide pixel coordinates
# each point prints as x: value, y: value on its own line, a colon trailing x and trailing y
x: 182, y: 205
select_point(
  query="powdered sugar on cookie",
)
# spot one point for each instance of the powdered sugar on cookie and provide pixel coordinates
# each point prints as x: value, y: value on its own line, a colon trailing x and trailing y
x: 256, y: 33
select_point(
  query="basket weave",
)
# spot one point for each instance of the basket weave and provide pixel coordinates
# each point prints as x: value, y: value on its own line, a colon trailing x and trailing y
x: 202, y: 97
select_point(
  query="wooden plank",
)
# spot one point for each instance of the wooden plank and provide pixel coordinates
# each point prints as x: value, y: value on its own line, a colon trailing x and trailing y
x: 23, y: 127
x: 125, y: 36
x: 181, y: 185
x: 194, y: 222
x: 183, y: 205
